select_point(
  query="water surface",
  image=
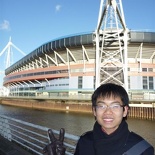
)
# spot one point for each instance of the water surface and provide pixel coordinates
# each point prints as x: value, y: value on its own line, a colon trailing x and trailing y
x: 74, y: 123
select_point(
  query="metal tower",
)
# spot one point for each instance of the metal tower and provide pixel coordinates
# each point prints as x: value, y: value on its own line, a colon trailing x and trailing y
x: 9, y: 53
x: 111, y: 37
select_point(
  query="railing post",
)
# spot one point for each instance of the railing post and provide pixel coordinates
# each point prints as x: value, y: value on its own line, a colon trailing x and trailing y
x: 5, y: 129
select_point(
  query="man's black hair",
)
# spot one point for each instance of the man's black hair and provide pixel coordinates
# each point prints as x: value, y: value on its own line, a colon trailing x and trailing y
x: 108, y: 90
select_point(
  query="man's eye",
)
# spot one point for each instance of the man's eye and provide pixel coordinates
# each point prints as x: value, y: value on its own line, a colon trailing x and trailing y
x: 115, y: 106
x: 101, y: 106
x: 104, y: 106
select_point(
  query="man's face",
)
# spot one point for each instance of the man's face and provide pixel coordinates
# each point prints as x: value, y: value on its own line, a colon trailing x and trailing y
x: 109, y: 118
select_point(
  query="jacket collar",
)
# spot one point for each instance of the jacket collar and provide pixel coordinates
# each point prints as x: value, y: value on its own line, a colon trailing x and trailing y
x: 108, y: 144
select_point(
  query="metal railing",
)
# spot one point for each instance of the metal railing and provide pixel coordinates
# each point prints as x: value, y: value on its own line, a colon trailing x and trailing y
x: 133, y: 95
x: 32, y: 137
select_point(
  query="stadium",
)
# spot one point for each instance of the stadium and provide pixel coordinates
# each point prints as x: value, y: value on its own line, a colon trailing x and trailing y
x: 75, y: 65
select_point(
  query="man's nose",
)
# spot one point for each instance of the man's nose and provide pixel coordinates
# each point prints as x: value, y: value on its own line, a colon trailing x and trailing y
x: 108, y: 110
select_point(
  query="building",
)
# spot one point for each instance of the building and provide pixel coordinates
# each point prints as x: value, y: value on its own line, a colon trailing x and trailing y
x: 76, y: 65
x: 67, y: 67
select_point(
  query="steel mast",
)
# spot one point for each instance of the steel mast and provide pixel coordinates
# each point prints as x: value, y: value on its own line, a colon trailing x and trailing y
x: 111, y: 38
x: 9, y: 53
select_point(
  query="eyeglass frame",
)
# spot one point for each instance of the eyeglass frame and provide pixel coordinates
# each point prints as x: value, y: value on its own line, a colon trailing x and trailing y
x: 111, y: 107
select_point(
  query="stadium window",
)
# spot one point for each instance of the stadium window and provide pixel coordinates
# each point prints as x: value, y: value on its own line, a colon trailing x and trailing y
x: 128, y: 82
x: 39, y: 73
x: 30, y: 74
x: 23, y: 75
x: 80, y: 82
x: 94, y: 81
x: 48, y: 72
x: 145, y: 86
x: 150, y: 69
x: 151, y: 83
x: 144, y: 69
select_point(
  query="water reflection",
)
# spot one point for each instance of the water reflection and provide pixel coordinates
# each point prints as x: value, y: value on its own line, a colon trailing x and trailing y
x: 74, y: 123
x: 146, y: 128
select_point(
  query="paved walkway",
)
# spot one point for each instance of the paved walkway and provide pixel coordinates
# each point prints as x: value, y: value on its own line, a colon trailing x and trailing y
x: 9, y: 148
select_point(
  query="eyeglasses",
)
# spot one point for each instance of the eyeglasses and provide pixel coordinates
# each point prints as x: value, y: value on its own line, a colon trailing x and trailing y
x: 113, y: 107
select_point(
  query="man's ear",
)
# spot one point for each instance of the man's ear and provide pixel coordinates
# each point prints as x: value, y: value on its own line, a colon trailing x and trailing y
x: 94, y: 111
x: 125, y: 112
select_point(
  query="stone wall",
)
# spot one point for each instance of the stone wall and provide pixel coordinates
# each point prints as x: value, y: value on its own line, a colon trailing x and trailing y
x: 136, y: 111
x: 49, y: 104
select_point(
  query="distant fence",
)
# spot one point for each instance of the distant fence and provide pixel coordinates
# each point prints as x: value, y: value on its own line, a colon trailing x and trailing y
x: 142, y: 111
x: 31, y: 137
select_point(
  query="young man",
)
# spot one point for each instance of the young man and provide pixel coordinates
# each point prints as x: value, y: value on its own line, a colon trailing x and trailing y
x: 110, y: 135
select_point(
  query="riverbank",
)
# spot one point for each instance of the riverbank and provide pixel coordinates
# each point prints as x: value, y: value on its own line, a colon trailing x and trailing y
x: 49, y: 104
x: 138, y: 109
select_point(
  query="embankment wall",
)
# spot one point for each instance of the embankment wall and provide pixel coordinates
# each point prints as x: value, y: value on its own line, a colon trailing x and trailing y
x: 138, y: 109
x: 49, y: 104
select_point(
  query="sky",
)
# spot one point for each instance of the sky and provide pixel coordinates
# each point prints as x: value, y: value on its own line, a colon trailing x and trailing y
x: 31, y: 23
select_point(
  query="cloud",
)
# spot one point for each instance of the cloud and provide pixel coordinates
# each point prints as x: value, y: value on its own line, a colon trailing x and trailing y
x: 58, y: 7
x: 5, y: 25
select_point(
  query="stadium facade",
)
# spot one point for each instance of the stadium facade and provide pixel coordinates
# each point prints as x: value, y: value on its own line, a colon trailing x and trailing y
x: 78, y: 64
x: 66, y: 66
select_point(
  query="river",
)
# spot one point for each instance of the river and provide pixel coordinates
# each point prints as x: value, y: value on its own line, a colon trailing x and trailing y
x: 74, y: 123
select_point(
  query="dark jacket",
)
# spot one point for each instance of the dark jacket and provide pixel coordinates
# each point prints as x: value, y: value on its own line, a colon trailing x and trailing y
x: 97, y: 142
